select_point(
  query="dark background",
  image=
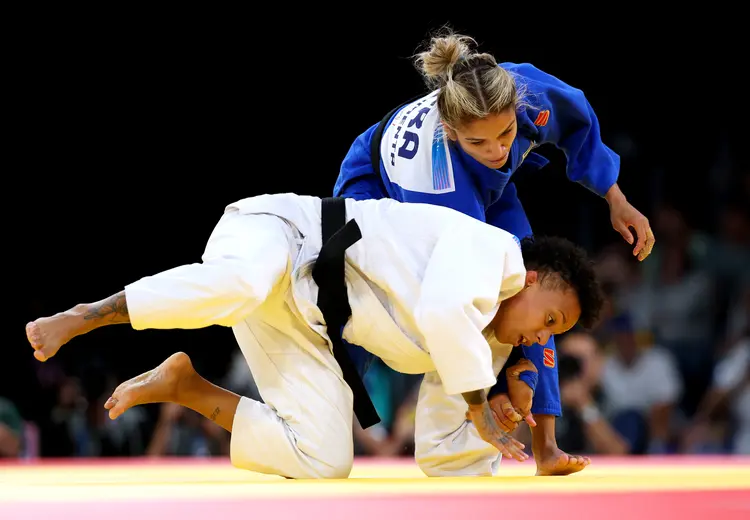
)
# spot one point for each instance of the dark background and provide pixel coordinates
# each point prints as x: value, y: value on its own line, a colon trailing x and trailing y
x: 136, y: 129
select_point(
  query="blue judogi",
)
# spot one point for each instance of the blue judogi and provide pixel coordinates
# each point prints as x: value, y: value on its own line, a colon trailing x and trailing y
x: 418, y: 164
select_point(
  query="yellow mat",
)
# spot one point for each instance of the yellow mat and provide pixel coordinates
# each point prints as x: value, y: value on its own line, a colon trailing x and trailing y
x: 197, y: 479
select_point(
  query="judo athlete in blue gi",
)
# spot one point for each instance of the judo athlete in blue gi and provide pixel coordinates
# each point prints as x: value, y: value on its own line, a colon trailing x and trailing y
x: 458, y: 147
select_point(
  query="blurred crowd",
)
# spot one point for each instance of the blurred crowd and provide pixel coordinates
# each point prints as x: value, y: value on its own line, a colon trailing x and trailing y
x: 667, y: 370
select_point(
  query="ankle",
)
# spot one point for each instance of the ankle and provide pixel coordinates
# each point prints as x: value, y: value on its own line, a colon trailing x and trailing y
x: 188, y: 389
x: 84, y: 318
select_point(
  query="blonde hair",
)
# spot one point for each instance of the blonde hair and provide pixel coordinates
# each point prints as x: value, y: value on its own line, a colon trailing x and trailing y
x: 472, y: 85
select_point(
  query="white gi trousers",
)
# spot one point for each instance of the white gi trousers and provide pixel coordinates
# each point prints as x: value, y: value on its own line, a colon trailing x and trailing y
x: 304, y: 427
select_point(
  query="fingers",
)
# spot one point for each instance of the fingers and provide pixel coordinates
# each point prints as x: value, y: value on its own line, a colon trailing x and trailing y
x: 640, y: 229
x: 622, y: 228
x: 512, y: 449
x: 510, y: 413
x: 505, y: 424
x: 646, y: 240
x: 530, y: 420
x: 524, y: 365
x: 648, y: 243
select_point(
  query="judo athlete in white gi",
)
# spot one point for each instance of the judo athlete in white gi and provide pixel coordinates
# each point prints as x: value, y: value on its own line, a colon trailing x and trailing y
x: 431, y: 291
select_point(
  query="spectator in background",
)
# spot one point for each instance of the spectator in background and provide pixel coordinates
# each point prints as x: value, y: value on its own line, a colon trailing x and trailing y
x: 585, y: 348
x: 640, y: 386
x: 729, y: 392
x: 394, y: 396
x: 582, y: 427
x: 677, y: 301
x: 66, y: 432
x: 11, y: 430
x: 125, y: 437
x: 181, y: 432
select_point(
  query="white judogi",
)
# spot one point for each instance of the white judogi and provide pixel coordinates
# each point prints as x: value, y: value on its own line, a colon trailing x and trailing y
x: 423, y: 282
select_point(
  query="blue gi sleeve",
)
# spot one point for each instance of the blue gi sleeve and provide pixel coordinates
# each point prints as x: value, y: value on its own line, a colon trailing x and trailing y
x: 356, y: 179
x: 563, y: 117
x: 508, y: 214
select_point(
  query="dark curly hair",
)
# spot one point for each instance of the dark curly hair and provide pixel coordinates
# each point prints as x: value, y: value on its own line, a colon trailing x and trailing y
x: 561, y: 257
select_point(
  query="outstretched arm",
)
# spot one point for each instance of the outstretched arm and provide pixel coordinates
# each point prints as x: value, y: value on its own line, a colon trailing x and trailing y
x: 562, y: 116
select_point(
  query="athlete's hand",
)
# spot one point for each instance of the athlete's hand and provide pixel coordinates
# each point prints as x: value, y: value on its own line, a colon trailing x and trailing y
x: 489, y: 430
x: 520, y: 393
x: 505, y: 414
x: 624, y: 216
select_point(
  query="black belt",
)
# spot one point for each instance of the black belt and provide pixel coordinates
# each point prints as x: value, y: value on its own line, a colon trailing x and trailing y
x: 333, y: 299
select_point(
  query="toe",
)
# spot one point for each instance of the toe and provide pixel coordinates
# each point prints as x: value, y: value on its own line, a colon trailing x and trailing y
x: 33, y: 334
x: 120, y: 401
x: 116, y: 409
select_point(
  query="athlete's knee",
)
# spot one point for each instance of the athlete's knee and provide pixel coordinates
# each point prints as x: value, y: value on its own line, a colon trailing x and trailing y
x: 337, y: 465
x: 327, y: 450
x: 333, y: 464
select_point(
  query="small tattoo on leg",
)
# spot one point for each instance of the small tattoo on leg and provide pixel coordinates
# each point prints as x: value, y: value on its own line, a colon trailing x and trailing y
x: 215, y: 414
x: 115, y: 308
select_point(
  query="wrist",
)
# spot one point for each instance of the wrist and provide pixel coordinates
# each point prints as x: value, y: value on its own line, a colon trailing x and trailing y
x: 614, y: 195
x: 476, y: 399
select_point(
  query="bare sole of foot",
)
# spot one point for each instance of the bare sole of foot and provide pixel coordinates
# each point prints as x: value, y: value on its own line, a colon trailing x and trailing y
x: 47, y: 335
x: 163, y: 384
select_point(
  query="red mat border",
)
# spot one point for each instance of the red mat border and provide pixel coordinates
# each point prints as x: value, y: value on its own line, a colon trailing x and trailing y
x: 686, y: 505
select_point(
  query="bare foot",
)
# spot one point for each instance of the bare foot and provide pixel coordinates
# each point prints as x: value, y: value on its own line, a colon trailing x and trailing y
x: 164, y: 384
x: 47, y: 335
x: 559, y: 463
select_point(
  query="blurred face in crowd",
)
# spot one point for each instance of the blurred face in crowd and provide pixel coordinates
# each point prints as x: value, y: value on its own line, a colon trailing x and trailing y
x: 585, y: 348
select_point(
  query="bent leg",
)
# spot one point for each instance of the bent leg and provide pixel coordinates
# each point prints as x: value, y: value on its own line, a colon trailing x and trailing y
x: 175, y: 381
x: 304, y: 427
